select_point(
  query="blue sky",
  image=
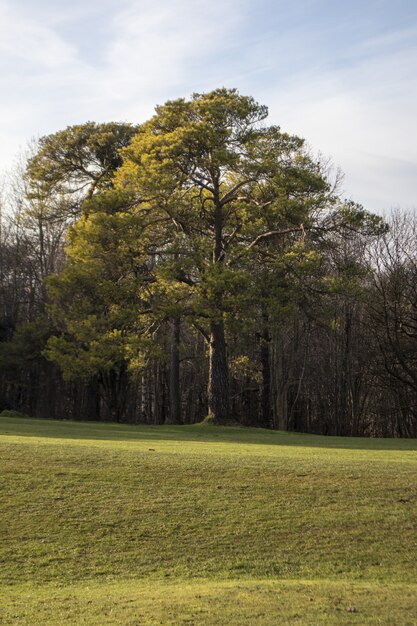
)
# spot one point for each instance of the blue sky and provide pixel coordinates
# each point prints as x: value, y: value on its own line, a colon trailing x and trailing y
x: 342, y: 75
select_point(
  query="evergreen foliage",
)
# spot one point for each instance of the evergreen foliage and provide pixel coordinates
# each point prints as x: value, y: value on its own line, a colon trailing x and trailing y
x: 210, y: 269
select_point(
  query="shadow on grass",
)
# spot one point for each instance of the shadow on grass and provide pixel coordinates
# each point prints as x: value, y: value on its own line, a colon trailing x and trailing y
x: 65, y: 429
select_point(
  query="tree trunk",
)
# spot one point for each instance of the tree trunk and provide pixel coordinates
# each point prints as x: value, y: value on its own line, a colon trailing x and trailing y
x: 174, y: 375
x: 113, y: 386
x: 266, y: 413
x: 218, y: 386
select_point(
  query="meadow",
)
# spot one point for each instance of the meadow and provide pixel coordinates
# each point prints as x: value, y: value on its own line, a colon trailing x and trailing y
x: 137, y: 525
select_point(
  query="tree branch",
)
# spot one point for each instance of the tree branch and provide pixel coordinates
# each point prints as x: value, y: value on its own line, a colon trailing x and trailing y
x: 275, y: 233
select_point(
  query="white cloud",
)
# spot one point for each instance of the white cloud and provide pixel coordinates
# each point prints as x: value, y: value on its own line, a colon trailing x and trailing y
x: 30, y: 41
x: 149, y: 52
x: 160, y: 53
x: 363, y: 116
x: 355, y: 103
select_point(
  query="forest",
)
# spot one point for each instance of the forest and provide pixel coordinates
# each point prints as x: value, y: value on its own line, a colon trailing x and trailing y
x: 203, y: 265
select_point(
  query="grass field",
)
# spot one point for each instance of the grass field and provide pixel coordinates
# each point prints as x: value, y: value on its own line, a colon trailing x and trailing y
x: 133, y: 525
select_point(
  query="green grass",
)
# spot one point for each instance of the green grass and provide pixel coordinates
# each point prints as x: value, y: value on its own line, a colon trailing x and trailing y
x: 111, y: 524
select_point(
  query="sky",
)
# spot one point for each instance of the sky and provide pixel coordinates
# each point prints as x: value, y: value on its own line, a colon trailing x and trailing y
x: 343, y: 75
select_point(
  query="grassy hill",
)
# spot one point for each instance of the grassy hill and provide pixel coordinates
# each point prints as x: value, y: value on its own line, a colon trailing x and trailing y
x: 133, y: 525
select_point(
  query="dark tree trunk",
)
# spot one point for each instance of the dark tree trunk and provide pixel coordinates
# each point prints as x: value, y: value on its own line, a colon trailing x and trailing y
x: 266, y: 412
x: 157, y: 395
x: 114, y: 386
x: 218, y: 386
x: 174, y: 375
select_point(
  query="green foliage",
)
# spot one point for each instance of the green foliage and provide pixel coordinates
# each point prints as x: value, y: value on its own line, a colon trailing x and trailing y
x: 13, y: 414
x: 78, y: 159
x: 354, y: 216
x: 204, y: 213
x: 25, y: 346
x: 237, y: 194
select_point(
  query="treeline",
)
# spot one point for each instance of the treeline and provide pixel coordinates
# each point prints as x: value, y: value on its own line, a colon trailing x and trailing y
x: 202, y: 265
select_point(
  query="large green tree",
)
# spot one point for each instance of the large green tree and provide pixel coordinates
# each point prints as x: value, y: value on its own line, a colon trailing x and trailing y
x: 211, y: 218
x: 230, y: 185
